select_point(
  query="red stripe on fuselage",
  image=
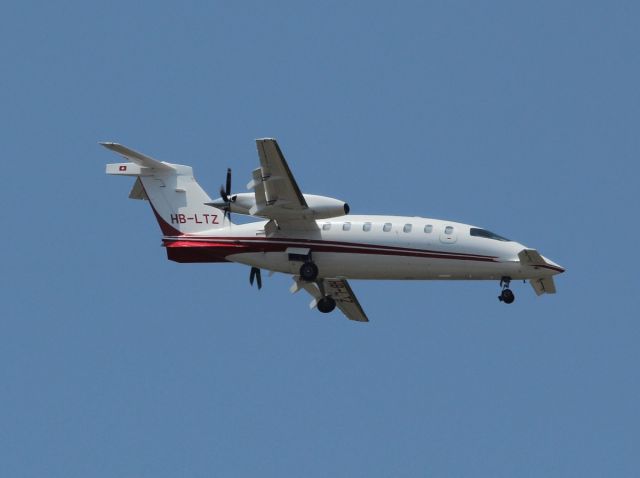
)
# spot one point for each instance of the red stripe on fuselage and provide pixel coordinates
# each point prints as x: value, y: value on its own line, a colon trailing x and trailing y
x: 222, y: 247
x: 311, y: 243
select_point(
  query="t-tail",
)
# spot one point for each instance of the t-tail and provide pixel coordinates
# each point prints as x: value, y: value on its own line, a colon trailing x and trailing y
x: 177, y: 200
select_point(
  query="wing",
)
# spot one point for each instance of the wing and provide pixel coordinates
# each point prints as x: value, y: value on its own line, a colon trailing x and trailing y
x: 277, y: 195
x: 341, y: 292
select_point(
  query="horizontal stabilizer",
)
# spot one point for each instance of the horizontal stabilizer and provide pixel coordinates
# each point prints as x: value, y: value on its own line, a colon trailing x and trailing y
x: 128, y: 169
x: 137, y: 158
x: 544, y: 285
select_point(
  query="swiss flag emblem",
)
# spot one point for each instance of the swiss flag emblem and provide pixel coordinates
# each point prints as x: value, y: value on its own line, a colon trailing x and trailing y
x: 123, y: 167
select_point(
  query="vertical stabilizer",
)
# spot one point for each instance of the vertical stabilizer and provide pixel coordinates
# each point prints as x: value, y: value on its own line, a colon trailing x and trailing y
x: 176, y: 198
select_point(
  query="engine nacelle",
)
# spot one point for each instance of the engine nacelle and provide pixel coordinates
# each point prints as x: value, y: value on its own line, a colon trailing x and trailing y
x: 319, y: 207
x: 323, y: 207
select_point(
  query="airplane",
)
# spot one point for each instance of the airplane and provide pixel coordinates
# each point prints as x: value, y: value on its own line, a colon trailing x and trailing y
x: 314, y: 238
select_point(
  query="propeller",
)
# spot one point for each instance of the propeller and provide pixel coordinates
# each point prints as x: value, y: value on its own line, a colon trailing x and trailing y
x: 255, y: 274
x: 225, y: 194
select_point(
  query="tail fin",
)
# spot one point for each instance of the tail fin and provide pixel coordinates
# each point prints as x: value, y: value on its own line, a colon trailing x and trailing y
x: 176, y: 198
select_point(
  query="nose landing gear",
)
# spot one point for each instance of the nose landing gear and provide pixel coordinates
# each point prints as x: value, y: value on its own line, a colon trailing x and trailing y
x: 506, y: 295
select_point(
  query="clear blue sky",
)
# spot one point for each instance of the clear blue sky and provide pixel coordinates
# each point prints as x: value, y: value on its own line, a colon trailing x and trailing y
x: 519, y: 117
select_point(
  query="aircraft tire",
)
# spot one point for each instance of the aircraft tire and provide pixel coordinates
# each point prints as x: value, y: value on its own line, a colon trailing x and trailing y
x: 507, y: 296
x: 326, y: 304
x: 309, y: 271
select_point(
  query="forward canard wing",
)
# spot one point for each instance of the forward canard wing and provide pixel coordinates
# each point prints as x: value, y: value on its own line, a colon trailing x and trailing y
x: 544, y: 285
x: 532, y: 258
x: 340, y: 290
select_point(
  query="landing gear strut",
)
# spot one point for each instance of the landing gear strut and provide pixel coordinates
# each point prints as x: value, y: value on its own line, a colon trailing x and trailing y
x: 506, y: 295
x: 326, y: 304
x: 309, y: 272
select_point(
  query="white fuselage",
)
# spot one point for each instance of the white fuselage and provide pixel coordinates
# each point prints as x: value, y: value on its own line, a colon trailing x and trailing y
x: 372, y: 247
x: 314, y: 238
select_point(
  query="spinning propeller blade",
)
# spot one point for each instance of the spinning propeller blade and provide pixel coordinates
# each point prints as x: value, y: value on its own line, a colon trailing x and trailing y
x: 228, y: 190
x: 224, y: 194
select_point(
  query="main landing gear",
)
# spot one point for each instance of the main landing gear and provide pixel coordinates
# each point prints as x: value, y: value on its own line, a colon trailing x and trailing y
x: 326, y: 304
x: 506, y: 295
x: 309, y: 271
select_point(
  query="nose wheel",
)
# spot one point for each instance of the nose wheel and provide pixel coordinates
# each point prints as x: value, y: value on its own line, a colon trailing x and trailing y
x: 506, y: 295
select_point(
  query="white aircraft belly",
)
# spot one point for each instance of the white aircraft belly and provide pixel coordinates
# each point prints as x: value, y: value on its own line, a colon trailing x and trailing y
x: 375, y: 266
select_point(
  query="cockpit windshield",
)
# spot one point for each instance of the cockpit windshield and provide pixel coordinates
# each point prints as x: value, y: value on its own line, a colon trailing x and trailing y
x: 487, y: 234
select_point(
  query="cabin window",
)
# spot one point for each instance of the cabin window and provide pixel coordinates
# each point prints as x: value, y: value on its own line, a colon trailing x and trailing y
x: 386, y: 227
x: 366, y: 226
x: 448, y: 230
x: 326, y: 226
x: 407, y: 228
x: 346, y: 226
x: 428, y: 229
x: 474, y: 231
